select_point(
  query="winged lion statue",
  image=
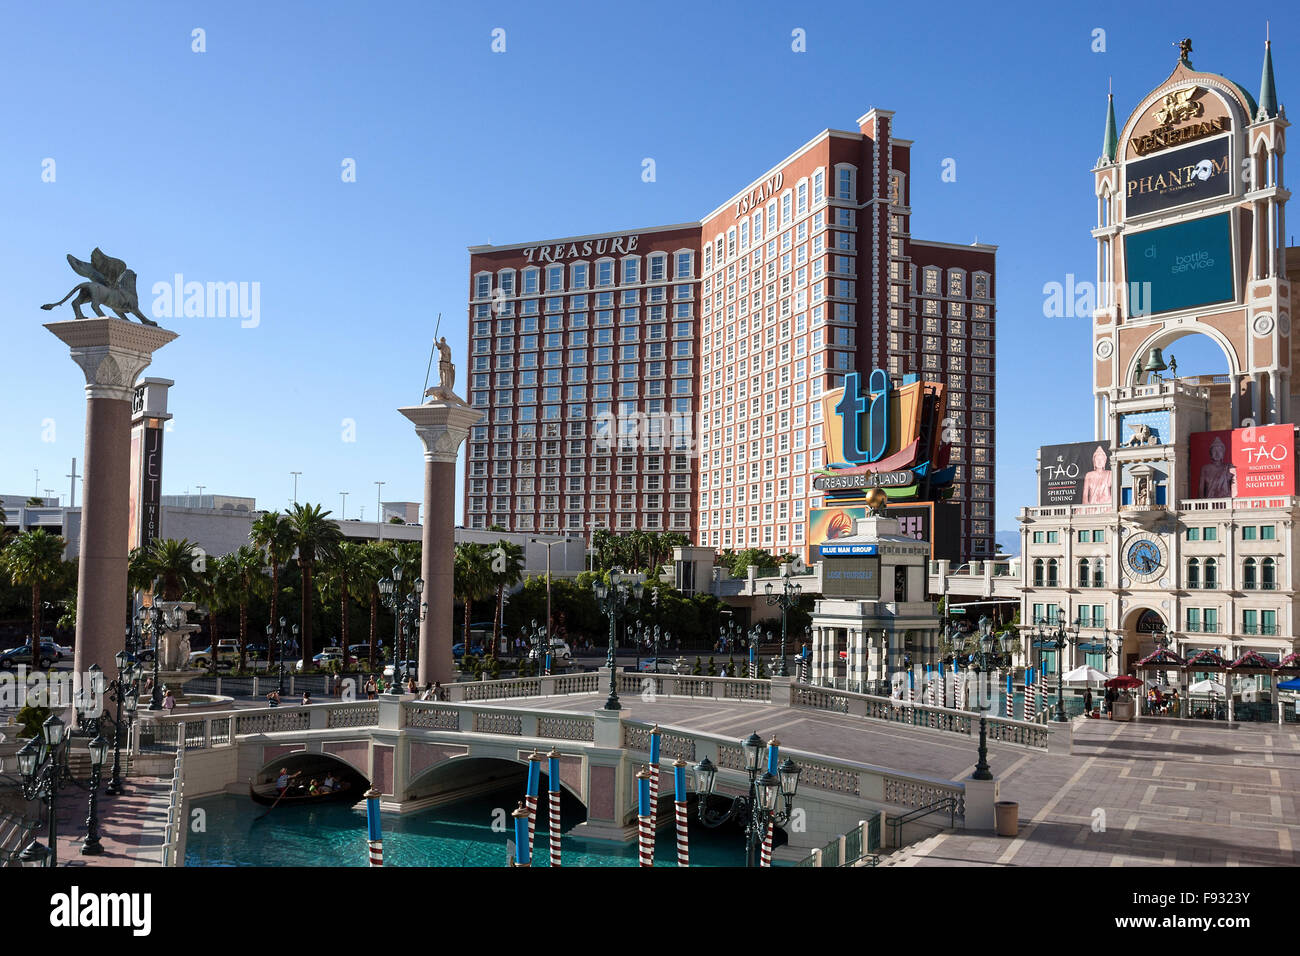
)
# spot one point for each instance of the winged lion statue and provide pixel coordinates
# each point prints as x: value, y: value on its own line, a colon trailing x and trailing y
x: 111, y: 284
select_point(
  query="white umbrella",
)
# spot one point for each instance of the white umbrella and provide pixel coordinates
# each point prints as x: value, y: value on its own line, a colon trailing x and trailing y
x: 1206, y: 687
x: 1086, y: 673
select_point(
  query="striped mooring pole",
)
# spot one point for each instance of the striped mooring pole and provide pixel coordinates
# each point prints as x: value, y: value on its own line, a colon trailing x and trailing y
x: 530, y: 797
x: 773, y: 767
x: 374, y: 833
x: 654, y: 777
x: 523, y: 853
x: 679, y: 797
x: 553, y: 791
x: 1011, y: 700
x: 644, y: 832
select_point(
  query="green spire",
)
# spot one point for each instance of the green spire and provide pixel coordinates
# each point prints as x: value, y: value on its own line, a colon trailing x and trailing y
x: 1110, y: 145
x: 1267, y: 91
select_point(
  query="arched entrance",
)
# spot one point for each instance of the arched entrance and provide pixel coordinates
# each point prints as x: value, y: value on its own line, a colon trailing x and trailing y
x: 313, y: 766
x: 1139, y: 626
x: 461, y: 777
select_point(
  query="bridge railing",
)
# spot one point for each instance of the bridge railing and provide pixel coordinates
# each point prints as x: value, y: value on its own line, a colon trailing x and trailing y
x: 1021, y: 732
x: 826, y: 774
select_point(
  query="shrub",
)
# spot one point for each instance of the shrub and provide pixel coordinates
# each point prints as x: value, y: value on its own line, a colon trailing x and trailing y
x: 698, y: 669
x: 713, y: 668
x: 30, y: 719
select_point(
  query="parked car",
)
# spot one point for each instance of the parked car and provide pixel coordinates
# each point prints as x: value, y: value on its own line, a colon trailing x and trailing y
x: 64, y: 650
x: 559, y: 651
x: 360, y: 651
x: 325, y: 658
x: 666, y: 665
x: 22, y: 654
x: 458, y: 650
x: 227, y: 655
x: 405, y: 668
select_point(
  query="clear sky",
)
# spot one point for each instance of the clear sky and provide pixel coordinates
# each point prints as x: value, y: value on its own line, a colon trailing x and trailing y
x: 227, y: 166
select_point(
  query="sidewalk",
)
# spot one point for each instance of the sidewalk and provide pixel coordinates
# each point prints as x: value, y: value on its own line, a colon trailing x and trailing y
x: 131, y: 825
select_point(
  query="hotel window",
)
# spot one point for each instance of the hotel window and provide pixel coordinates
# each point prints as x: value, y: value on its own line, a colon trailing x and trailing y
x: 605, y: 272
x: 1267, y: 532
x: 819, y: 186
x: 658, y: 267
x: 506, y: 281
x: 530, y: 281
x: 1268, y: 575
x: 1211, y: 574
x: 1248, y: 533
x: 844, y: 182
x: 1249, y: 578
x: 801, y: 198
x: 786, y: 211
x: 632, y: 270
x: 483, y: 285
x: 578, y: 273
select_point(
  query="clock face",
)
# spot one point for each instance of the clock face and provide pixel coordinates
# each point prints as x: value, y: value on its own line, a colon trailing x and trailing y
x: 1144, y: 559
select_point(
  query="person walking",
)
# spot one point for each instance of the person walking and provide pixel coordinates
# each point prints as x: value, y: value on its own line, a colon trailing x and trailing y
x: 372, y: 689
x: 169, y: 702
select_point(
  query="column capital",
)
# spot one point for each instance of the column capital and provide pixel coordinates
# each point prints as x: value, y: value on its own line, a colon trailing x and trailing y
x: 111, y: 352
x: 442, y: 426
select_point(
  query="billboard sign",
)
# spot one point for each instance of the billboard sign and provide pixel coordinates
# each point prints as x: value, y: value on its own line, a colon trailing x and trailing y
x: 877, y: 479
x: 855, y: 578
x: 1190, y: 174
x: 831, y: 549
x: 1243, y: 462
x: 1074, y: 474
x: 1183, y: 266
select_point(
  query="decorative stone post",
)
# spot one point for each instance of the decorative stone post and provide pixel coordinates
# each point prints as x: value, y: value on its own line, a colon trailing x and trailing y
x: 442, y: 424
x: 111, y: 353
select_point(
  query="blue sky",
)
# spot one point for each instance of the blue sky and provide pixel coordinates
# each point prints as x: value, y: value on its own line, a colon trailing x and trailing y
x: 226, y: 166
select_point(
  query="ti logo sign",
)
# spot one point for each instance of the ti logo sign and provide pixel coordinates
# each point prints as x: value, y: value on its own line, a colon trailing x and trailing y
x: 864, y: 418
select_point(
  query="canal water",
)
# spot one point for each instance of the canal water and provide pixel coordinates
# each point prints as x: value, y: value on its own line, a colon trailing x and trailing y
x: 460, y: 834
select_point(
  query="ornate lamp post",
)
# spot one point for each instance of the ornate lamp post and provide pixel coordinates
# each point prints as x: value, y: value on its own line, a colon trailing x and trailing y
x: 991, y: 655
x: 91, y: 846
x: 769, y: 799
x: 124, y: 691
x: 42, y: 767
x: 612, y: 600
x: 787, y: 597
x: 1063, y: 638
x: 281, y: 640
x: 151, y: 621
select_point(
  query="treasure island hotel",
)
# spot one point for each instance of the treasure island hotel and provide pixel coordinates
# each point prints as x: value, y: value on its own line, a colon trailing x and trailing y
x: 668, y: 378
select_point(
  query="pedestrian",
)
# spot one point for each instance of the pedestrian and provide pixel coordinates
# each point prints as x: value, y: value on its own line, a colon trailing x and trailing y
x: 273, y: 699
x: 371, y: 688
x: 437, y: 690
x: 306, y: 697
x: 1087, y: 701
x: 169, y: 702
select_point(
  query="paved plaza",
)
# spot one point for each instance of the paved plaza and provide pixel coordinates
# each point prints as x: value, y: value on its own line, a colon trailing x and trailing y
x: 1154, y: 792
x: 131, y: 826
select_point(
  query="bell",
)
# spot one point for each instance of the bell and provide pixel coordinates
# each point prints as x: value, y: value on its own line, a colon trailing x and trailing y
x: 1155, y: 362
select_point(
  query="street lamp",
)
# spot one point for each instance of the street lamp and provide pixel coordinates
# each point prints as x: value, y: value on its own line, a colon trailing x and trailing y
x: 91, y: 846
x: 1063, y: 638
x: 612, y: 600
x: 788, y: 597
x: 41, y: 768
x: 991, y: 655
x: 124, y: 691
x: 151, y: 620
x: 769, y: 799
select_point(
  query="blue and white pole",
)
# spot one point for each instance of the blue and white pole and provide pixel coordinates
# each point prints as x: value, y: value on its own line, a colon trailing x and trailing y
x: 1011, y: 700
x: 374, y: 833
x: 654, y: 777
x: 553, y: 792
x: 523, y: 853
x: 680, y: 797
x: 645, y: 833
x: 753, y: 661
x: 530, y: 796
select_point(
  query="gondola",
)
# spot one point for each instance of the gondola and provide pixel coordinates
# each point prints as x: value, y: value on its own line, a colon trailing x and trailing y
x: 266, y: 794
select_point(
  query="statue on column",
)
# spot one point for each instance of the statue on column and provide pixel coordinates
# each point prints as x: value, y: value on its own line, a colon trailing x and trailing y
x: 111, y: 284
x: 446, y: 373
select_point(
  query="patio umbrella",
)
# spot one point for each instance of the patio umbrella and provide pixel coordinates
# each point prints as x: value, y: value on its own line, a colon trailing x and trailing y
x: 1206, y: 687
x: 1124, y: 681
x: 1085, y: 673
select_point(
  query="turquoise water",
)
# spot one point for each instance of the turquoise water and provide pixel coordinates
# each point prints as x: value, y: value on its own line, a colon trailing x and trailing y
x: 460, y: 834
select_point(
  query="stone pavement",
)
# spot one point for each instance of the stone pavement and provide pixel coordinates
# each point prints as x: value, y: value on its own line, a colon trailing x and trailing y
x: 1148, y: 793
x: 131, y: 825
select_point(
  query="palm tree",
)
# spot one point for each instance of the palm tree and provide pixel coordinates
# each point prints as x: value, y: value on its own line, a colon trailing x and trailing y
x: 214, y: 589
x: 315, y: 537
x: 245, y: 567
x: 33, y: 559
x: 271, y: 533
x: 505, y: 569
x: 345, y: 574
x: 473, y: 578
x: 178, y: 563
x: 375, y: 567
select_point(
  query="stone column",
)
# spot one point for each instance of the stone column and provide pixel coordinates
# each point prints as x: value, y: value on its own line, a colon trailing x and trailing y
x: 442, y: 425
x: 111, y: 353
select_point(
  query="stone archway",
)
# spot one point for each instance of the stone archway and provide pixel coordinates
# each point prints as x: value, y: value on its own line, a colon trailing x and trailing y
x: 1139, y: 624
x: 466, y: 774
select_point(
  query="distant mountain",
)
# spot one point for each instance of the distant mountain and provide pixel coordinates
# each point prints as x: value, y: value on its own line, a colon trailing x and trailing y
x: 1010, y: 541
